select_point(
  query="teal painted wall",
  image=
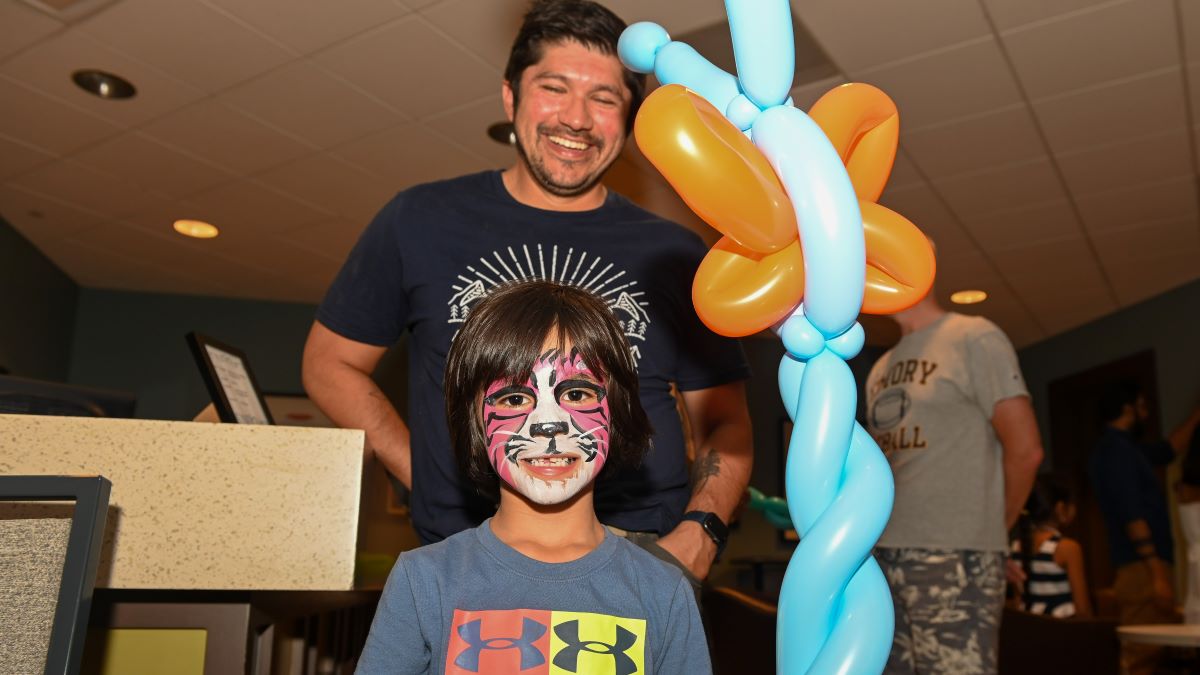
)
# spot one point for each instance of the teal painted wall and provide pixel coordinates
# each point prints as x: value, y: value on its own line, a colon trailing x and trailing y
x: 135, y: 342
x: 37, y: 310
x: 1169, y: 324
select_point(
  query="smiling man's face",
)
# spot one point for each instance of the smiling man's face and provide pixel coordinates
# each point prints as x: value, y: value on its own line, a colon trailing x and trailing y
x: 569, y: 117
x: 547, y: 438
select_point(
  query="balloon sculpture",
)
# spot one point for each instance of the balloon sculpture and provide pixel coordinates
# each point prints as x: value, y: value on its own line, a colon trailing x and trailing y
x: 806, y: 247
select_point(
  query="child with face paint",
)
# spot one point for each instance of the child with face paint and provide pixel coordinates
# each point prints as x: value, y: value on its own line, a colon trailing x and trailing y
x: 542, y: 399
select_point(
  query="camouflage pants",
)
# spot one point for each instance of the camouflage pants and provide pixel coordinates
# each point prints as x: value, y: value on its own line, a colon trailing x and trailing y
x: 948, y: 606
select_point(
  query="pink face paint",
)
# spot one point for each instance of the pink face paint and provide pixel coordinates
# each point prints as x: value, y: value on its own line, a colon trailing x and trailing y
x: 548, y: 437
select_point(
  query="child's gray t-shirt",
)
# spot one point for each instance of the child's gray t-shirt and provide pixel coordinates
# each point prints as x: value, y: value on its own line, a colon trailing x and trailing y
x: 472, y: 604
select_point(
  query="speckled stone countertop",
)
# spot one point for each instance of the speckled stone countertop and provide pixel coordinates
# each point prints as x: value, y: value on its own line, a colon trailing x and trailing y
x: 207, y: 506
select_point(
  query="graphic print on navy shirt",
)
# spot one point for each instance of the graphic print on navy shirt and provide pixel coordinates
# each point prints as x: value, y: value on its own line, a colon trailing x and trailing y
x: 544, y: 642
x: 589, y: 272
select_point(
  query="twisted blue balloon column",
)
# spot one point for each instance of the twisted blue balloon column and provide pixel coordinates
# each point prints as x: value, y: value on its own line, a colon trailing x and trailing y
x: 835, y: 609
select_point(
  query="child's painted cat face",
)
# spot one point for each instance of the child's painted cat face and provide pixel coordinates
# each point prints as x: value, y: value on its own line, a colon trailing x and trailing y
x: 548, y: 437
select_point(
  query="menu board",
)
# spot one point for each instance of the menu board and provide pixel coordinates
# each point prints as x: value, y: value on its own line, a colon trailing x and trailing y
x: 239, y: 388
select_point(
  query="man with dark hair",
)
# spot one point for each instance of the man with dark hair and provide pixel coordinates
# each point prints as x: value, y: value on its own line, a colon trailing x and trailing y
x: 436, y: 249
x: 1135, y: 513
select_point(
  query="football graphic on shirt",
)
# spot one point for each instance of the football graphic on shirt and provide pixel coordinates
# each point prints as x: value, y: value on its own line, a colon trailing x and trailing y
x: 577, y: 268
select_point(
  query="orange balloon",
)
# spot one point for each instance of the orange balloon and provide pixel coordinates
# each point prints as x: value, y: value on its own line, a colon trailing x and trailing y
x: 715, y: 169
x: 900, y: 261
x: 740, y: 292
x: 864, y: 126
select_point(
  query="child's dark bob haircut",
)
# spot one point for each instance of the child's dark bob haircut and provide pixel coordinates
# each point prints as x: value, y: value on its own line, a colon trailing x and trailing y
x: 501, y: 339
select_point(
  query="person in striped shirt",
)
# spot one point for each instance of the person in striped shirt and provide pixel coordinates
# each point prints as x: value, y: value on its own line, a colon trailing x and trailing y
x: 1055, y: 584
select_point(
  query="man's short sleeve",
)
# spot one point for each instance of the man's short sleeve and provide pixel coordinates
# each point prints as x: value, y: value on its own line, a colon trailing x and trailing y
x: 993, y: 367
x: 705, y: 359
x: 366, y: 302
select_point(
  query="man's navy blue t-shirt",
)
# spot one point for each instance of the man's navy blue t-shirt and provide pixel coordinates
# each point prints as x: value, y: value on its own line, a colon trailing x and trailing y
x: 1127, y: 490
x: 436, y: 249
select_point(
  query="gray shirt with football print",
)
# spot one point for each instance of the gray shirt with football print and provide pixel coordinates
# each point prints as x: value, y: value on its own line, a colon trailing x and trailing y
x: 930, y: 401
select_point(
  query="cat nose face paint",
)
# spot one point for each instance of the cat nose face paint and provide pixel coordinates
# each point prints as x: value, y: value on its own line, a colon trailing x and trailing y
x: 548, y: 437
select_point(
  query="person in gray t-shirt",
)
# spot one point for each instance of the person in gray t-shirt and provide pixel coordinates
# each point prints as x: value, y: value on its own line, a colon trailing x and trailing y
x: 949, y: 407
x: 541, y: 396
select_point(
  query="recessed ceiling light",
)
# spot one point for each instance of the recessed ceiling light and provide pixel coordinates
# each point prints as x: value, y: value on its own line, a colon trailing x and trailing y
x: 968, y: 297
x: 102, y: 84
x: 196, y: 228
x: 503, y: 133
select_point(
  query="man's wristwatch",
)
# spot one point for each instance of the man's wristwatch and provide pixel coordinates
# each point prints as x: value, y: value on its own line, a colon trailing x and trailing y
x: 713, y: 527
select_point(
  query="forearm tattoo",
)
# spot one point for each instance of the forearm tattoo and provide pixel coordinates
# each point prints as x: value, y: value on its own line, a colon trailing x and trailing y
x: 706, y: 466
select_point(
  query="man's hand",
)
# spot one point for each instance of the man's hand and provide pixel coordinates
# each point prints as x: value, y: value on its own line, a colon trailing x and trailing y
x: 1015, y: 574
x: 692, y: 546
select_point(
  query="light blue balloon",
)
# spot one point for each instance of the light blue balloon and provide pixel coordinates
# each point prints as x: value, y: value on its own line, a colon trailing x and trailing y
x: 824, y: 625
x: 742, y: 112
x: 827, y: 213
x: 639, y: 44
x: 849, y: 344
x: 678, y: 63
x: 800, y: 337
x: 763, y: 48
x: 791, y: 374
x: 823, y: 425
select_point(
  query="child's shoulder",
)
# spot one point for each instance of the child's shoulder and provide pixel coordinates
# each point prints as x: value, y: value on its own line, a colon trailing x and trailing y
x: 439, y: 555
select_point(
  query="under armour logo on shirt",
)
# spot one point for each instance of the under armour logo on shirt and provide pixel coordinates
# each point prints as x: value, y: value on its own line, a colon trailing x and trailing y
x: 471, y: 633
x: 568, y: 657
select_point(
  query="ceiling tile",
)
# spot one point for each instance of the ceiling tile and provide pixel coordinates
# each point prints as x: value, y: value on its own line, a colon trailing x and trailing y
x: 42, y: 121
x: 1024, y: 226
x: 467, y: 125
x: 309, y: 25
x: 1189, y: 13
x: 921, y: 205
x: 48, y: 67
x: 1006, y: 311
x: 1164, y: 200
x: 274, y: 256
x: 389, y: 154
x: 1120, y: 110
x: 805, y: 95
x: 975, y: 143
x: 486, y: 28
x: 1048, y: 267
x: 137, y: 158
x: 226, y: 137
x: 957, y: 270
x: 38, y: 216
x: 904, y: 172
x: 1061, y: 308
x: 21, y: 26
x: 17, y: 157
x: 678, y: 18
x: 872, y: 32
x: 187, y: 40
x: 983, y: 192
x: 1147, y: 242
x: 966, y: 80
x: 1012, y: 13
x: 1143, y: 160
x: 84, y: 187
x: 1140, y: 281
x: 253, y: 208
x: 311, y: 105
x: 1060, y: 55
x: 332, y: 239
x: 381, y: 63
x: 336, y: 185
x: 97, y: 266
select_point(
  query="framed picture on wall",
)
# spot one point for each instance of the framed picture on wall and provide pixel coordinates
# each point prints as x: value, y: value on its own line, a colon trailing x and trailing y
x: 231, y: 384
